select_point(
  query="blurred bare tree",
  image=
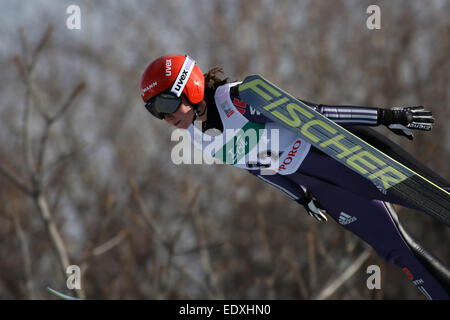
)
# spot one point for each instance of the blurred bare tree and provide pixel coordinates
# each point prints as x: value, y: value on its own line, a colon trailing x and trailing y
x: 86, y: 176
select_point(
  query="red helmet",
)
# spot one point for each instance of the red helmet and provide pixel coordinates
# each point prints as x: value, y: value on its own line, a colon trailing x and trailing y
x: 178, y: 73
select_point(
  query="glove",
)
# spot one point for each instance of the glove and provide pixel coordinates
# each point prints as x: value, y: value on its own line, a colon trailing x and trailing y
x: 312, y: 206
x: 401, y: 119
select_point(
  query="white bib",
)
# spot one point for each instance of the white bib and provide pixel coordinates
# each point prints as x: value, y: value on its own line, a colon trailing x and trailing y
x: 245, y: 144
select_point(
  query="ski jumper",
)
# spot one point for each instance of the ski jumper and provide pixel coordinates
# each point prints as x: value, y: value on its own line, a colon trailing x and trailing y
x: 350, y: 199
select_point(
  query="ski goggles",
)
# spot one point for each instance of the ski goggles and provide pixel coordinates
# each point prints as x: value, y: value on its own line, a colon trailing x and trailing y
x: 163, y: 104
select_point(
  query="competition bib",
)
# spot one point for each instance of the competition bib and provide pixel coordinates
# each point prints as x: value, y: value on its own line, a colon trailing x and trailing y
x: 249, y: 145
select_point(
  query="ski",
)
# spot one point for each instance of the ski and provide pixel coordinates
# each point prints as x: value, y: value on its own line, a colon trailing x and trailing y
x: 60, y: 295
x: 387, y: 174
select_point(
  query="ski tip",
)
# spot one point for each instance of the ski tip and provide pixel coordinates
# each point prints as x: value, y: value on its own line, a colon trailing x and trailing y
x: 60, y: 295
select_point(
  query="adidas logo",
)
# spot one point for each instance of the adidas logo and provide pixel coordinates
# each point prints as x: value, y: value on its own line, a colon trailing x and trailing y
x: 345, y: 219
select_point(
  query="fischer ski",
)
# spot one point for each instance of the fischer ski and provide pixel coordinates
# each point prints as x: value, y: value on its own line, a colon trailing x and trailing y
x: 387, y: 174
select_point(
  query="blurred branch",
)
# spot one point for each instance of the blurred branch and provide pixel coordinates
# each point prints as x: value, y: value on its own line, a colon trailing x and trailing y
x: 197, y: 249
x: 312, y: 265
x: 15, y: 180
x: 41, y: 45
x: 26, y: 143
x: 323, y: 252
x: 213, y: 279
x: 75, y: 92
x: 111, y: 243
x: 58, y: 161
x: 26, y: 65
x: 339, y: 281
x: 189, y: 212
x: 162, y: 240
x: 58, y: 243
x: 263, y: 236
x: 26, y: 255
x: 52, y: 119
x: 270, y: 282
x: 289, y: 256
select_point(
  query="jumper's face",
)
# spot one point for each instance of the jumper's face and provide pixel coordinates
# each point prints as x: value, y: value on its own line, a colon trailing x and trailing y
x: 182, y: 118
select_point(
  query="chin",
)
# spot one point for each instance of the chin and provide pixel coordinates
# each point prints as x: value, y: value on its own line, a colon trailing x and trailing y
x: 181, y: 126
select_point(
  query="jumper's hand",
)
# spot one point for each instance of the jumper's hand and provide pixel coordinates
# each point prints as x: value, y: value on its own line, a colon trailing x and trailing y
x: 312, y: 206
x: 401, y: 120
x: 401, y: 130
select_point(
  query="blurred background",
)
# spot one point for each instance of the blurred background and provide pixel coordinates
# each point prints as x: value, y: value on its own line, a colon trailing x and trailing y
x: 86, y: 176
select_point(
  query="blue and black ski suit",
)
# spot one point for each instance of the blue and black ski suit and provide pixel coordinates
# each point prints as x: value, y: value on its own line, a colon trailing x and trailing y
x: 350, y: 199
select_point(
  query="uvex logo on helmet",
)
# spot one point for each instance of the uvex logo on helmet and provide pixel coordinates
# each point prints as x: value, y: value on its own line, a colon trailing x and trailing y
x: 168, y: 67
x: 180, y: 83
x: 183, y: 76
